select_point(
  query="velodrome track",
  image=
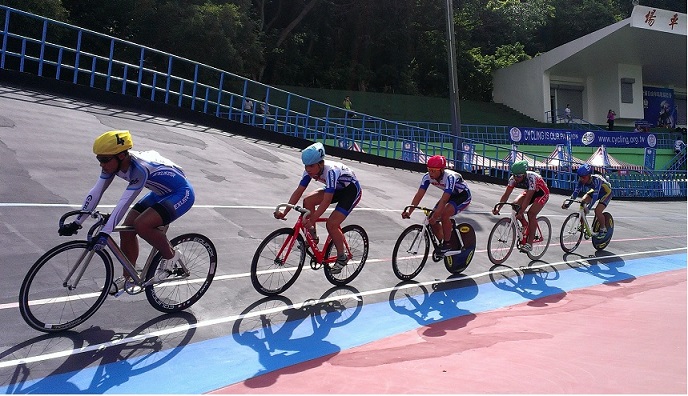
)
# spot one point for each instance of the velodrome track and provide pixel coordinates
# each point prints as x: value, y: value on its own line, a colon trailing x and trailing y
x: 609, y: 321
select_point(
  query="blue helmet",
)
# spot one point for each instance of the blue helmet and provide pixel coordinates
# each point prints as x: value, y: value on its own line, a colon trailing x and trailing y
x: 313, y: 154
x: 584, y: 170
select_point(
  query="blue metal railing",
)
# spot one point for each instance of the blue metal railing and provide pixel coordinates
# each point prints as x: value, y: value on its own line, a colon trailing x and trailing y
x: 51, y: 49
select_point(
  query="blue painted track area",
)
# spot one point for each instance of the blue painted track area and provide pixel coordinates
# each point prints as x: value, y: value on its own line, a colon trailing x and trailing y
x: 262, y: 343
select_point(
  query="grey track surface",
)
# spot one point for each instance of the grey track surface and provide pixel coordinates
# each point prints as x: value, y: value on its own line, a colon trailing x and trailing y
x: 47, y: 167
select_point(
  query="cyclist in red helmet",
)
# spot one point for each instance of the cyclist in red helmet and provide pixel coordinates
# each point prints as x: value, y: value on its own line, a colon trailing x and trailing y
x: 455, y: 198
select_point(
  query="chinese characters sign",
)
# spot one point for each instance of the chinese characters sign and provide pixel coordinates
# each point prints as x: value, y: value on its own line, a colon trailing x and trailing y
x: 658, y: 19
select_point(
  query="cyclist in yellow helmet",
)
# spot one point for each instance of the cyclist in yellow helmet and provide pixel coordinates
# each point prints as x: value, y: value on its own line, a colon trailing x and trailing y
x: 170, y: 197
x: 536, y: 195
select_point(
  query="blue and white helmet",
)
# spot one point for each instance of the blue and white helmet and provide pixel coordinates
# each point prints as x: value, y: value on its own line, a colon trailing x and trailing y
x: 584, y: 170
x: 313, y: 154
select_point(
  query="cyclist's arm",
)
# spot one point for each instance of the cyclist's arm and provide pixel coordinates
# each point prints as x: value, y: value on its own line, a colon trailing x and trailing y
x: 294, y: 198
x: 93, y: 197
x: 121, y: 208
x: 576, y: 190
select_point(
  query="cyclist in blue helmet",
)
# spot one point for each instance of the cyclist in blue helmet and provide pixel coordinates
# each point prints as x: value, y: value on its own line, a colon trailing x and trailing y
x: 341, y: 186
x: 596, y: 188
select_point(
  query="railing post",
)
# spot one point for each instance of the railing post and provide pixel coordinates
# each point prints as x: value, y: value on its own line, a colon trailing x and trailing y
x: 4, y: 37
x: 110, y: 60
x: 169, y: 80
x: 40, y: 59
x: 77, y: 56
x: 140, y: 79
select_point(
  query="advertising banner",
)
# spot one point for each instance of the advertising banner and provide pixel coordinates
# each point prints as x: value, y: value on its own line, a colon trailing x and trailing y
x: 650, y: 155
x: 468, y: 151
x: 546, y: 136
x: 410, y: 152
x: 660, y: 110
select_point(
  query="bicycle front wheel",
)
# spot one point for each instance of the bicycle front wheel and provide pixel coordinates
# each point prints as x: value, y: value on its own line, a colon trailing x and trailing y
x: 500, y: 244
x: 278, y: 262
x: 543, y: 235
x: 356, y: 243
x: 410, y: 252
x: 571, y: 233
x: 181, y: 290
x: 56, y: 295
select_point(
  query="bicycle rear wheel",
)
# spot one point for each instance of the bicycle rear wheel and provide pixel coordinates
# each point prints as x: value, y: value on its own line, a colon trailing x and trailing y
x: 49, y: 301
x: 180, y: 290
x: 543, y: 235
x: 357, y: 241
x: 571, y: 233
x: 500, y: 244
x: 274, y: 270
x: 410, y: 252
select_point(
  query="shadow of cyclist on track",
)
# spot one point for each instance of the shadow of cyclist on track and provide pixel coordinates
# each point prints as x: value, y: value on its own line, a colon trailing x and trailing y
x: 530, y: 282
x: 603, y: 264
x: 115, y: 362
x: 291, y: 338
x: 434, y: 309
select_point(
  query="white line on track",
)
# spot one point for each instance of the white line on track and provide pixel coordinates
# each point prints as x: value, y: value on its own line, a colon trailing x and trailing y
x: 232, y: 318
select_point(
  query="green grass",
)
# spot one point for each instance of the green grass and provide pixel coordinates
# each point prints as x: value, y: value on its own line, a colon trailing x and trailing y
x: 395, y: 107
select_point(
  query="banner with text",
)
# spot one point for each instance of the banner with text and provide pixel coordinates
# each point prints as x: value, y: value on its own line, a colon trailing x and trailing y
x: 659, y: 106
x: 546, y: 136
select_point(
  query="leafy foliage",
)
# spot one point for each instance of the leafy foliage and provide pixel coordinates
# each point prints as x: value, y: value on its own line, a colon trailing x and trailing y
x: 395, y: 46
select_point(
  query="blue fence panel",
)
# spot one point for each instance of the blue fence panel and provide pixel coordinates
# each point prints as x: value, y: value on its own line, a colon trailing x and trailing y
x: 80, y: 56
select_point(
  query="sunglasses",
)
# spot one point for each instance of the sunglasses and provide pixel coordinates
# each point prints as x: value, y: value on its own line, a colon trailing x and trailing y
x: 104, y: 160
x: 434, y: 169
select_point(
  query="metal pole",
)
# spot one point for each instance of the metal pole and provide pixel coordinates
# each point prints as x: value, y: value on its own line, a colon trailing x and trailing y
x: 453, y: 75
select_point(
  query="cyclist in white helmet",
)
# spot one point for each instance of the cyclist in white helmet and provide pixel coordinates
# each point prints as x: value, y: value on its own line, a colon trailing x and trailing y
x: 341, y: 186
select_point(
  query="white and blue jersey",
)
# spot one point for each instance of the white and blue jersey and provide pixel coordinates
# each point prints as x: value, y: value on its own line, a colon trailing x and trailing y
x: 452, y: 183
x: 335, y: 175
x: 170, y: 189
x: 340, y: 181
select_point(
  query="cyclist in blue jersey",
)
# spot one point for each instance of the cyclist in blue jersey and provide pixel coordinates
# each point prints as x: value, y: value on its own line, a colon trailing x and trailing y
x: 455, y: 198
x: 596, y: 188
x: 341, y: 186
x: 170, y: 197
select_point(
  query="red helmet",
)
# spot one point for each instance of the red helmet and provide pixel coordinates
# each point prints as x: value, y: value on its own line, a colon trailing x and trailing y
x: 437, y: 161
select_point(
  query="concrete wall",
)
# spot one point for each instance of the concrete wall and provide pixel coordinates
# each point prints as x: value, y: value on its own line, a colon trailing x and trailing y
x: 524, y: 87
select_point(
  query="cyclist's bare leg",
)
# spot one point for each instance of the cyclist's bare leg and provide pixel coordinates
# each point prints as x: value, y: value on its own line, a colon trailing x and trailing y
x: 533, y: 211
x: 129, y: 242
x: 447, y: 214
x: 599, y: 215
x: 312, y: 200
x: 519, y: 201
x: 438, y: 230
x: 333, y: 224
x: 146, y: 225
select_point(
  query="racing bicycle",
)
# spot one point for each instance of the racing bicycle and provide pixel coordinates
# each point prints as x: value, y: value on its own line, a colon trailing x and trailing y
x: 508, y: 231
x: 413, y: 247
x: 68, y: 284
x: 280, y: 257
x: 576, y: 227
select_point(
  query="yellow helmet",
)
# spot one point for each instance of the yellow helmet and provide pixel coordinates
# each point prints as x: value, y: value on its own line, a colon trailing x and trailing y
x: 112, y: 142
